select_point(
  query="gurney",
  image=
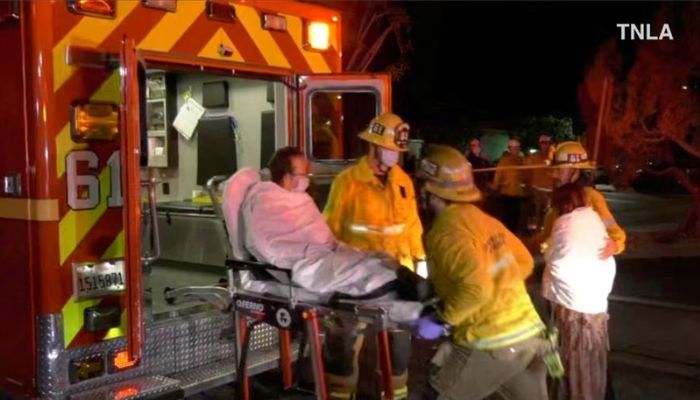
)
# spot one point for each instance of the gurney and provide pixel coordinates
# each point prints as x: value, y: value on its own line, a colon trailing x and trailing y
x: 263, y: 293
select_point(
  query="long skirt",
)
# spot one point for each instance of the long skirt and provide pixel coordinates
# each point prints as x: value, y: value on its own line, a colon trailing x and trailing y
x: 584, y: 351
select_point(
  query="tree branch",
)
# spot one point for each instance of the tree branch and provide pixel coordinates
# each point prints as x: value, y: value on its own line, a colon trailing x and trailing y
x: 661, y: 136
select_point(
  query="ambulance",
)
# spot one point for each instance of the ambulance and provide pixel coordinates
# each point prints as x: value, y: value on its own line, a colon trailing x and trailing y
x: 115, y: 114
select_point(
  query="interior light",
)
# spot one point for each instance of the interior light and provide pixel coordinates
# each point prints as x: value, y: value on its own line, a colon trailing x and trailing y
x: 94, y: 121
x: 318, y: 35
x: 96, y: 8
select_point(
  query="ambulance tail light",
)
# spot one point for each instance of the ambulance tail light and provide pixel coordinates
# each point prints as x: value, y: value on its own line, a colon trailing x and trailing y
x: 94, y: 121
x: 95, y: 8
x: 120, y: 361
x: 318, y: 35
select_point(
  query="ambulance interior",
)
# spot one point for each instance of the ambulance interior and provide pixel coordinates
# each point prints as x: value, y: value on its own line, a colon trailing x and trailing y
x: 245, y: 120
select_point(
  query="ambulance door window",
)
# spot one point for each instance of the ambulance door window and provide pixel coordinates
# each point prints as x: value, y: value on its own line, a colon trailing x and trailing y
x: 336, y: 120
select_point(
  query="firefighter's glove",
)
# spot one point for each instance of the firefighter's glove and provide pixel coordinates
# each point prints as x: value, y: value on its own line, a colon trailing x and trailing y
x: 429, y: 327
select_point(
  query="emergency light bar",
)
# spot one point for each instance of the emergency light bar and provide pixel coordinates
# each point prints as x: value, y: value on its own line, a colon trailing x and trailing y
x: 95, y: 8
x: 94, y: 121
x: 317, y: 36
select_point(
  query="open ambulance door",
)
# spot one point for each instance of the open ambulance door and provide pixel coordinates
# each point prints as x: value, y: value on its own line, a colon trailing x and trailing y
x: 131, y: 188
x: 333, y: 110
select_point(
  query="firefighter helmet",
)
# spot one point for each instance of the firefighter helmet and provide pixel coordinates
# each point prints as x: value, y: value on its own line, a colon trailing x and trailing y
x: 448, y: 174
x: 389, y: 131
x: 572, y: 155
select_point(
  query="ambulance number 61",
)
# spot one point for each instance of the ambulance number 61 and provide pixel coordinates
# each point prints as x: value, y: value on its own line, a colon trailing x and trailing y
x: 84, y: 190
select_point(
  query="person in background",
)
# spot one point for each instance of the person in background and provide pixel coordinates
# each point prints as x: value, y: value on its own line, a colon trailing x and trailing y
x: 539, y: 182
x: 477, y: 160
x: 577, y: 283
x: 570, y: 159
x: 508, y: 184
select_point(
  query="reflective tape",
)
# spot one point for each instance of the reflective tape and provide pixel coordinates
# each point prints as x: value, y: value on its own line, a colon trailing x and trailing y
x: 510, y: 338
x: 379, y: 229
x: 501, y: 263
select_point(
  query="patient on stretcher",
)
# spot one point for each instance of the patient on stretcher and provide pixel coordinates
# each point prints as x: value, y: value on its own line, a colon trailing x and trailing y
x: 278, y: 223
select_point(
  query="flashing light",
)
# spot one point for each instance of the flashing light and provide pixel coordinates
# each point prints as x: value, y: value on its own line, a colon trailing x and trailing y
x: 95, y: 8
x: 318, y: 35
x: 95, y: 121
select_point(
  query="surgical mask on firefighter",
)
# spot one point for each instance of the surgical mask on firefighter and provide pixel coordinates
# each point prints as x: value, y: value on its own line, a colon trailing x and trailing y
x: 388, y: 158
x: 302, y: 183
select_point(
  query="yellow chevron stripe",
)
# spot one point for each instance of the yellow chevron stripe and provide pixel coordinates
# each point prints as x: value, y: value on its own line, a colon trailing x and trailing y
x: 211, y: 50
x: 109, y: 92
x: 172, y: 26
x: 118, y: 331
x: 64, y: 145
x: 76, y: 224
x: 314, y: 59
x: 262, y: 38
x: 88, y: 32
x: 116, y: 249
x: 73, y: 317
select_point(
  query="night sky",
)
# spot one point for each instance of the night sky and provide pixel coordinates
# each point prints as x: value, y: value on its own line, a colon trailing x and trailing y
x: 521, y: 59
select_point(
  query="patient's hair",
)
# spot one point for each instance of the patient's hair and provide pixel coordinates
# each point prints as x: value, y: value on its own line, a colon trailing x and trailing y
x: 281, y: 163
x: 568, y: 197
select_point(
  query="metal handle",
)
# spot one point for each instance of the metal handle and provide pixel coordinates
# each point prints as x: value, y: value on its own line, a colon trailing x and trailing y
x: 154, y: 252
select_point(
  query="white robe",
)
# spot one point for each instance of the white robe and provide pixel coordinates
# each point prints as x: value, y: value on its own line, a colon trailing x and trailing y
x: 574, y: 276
x: 287, y: 230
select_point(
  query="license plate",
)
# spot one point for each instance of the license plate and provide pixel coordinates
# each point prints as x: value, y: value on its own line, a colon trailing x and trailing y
x: 98, y: 279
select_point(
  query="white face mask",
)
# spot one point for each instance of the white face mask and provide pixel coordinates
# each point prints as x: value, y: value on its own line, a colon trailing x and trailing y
x: 388, y: 158
x: 301, y: 185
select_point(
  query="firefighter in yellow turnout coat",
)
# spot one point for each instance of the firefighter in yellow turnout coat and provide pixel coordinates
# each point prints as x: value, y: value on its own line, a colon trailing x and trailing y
x: 372, y: 205
x: 479, y: 269
x: 569, y: 159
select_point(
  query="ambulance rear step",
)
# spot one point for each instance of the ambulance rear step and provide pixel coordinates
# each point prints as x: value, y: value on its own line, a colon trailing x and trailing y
x: 184, y: 383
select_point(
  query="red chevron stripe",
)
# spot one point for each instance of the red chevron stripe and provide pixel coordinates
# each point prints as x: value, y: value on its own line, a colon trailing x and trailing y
x: 291, y: 51
x: 244, y: 43
x: 332, y: 59
x: 63, y: 25
x: 196, y: 36
x: 97, y: 240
